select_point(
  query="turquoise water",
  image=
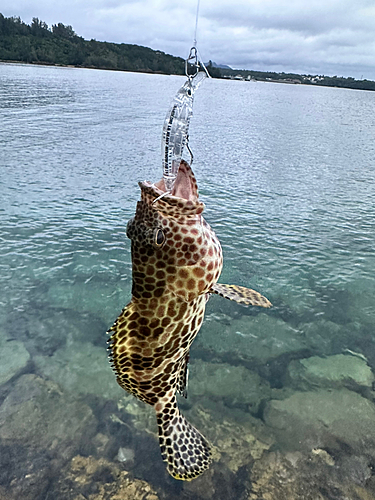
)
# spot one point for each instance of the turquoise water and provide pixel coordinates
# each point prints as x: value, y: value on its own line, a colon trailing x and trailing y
x: 287, y: 174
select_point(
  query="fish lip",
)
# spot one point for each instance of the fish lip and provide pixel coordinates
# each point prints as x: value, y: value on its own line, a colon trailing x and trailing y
x: 152, y: 188
x: 185, y: 186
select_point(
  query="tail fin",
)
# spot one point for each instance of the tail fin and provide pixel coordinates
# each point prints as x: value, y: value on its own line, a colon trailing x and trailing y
x: 185, y: 450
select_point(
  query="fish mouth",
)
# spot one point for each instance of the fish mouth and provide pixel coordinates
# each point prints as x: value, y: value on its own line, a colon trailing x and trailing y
x: 183, y: 200
x: 185, y: 185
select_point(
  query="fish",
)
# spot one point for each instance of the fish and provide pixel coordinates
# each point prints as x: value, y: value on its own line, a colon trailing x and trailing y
x: 176, y: 262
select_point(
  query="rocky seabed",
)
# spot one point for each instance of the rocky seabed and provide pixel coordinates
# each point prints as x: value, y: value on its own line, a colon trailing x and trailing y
x: 287, y: 402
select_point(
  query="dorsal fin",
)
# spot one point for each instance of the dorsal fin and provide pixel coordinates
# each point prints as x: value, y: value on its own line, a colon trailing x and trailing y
x: 240, y: 294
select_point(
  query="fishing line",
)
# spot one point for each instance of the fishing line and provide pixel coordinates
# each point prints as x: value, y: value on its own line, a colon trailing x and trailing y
x: 176, y: 124
x: 194, y: 50
x: 196, y: 24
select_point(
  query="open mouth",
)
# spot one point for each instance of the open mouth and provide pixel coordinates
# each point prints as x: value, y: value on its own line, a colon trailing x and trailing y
x: 185, y: 185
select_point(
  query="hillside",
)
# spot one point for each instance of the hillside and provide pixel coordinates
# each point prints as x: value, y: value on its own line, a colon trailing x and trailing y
x: 60, y: 45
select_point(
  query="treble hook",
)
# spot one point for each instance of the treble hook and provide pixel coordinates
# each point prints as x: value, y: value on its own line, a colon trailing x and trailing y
x: 190, y: 151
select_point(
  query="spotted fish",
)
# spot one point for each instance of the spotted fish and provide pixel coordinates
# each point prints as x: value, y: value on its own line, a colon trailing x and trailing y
x: 177, y: 260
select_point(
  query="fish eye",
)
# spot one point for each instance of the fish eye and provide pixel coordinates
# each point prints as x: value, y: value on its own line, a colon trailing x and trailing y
x: 159, y: 238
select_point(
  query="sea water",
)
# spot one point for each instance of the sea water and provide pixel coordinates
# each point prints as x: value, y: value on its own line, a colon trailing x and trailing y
x: 287, y: 174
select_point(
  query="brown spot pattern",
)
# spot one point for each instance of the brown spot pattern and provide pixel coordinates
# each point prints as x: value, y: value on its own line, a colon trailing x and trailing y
x: 151, y: 338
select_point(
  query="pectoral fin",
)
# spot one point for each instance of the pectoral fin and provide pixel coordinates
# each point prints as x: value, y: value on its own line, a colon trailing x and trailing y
x: 240, y: 294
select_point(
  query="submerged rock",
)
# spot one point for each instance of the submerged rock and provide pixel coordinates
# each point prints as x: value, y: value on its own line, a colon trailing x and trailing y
x: 14, y: 357
x: 99, y: 297
x: 235, y: 385
x: 4, y: 495
x: 125, y: 455
x: 298, y: 476
x: 238, y: 438
x: 299, y: 300
x: 255, y: 339
x: 361, y: 307
x: 334, y: 371
x: 321, y: 419
x: 322, y: 334
x: 81, y: 368
x: 141, y: 416
x: 37, y: 414
x: 327, y: 337
x: 44, y: 329
x: 99, y: 479
x: 40, y: 429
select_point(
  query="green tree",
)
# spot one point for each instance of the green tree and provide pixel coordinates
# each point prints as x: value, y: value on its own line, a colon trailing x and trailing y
x: 63, y: 31
x: 39, y: 28
x: 213, y: 71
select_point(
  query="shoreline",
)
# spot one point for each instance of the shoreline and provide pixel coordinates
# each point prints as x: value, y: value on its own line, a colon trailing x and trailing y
x: 150, y: 72
x: 72, y: 66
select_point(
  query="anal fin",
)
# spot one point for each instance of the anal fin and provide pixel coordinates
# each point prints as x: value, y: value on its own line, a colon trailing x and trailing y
x: 183, y: 376
x: 240, y: 294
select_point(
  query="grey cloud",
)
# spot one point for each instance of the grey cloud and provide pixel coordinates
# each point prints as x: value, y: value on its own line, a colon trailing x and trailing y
x: 313, y: 17
x: 319, y: 36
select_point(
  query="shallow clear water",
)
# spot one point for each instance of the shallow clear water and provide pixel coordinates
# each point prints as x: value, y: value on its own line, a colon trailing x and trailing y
x: 287, y: 175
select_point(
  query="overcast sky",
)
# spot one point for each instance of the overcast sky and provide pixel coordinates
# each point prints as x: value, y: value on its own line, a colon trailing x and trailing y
x: 331, y: 37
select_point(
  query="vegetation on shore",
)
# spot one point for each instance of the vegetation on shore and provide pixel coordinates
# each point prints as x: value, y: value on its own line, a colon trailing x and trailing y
x: 60, y: 45
x: 326, y: 81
